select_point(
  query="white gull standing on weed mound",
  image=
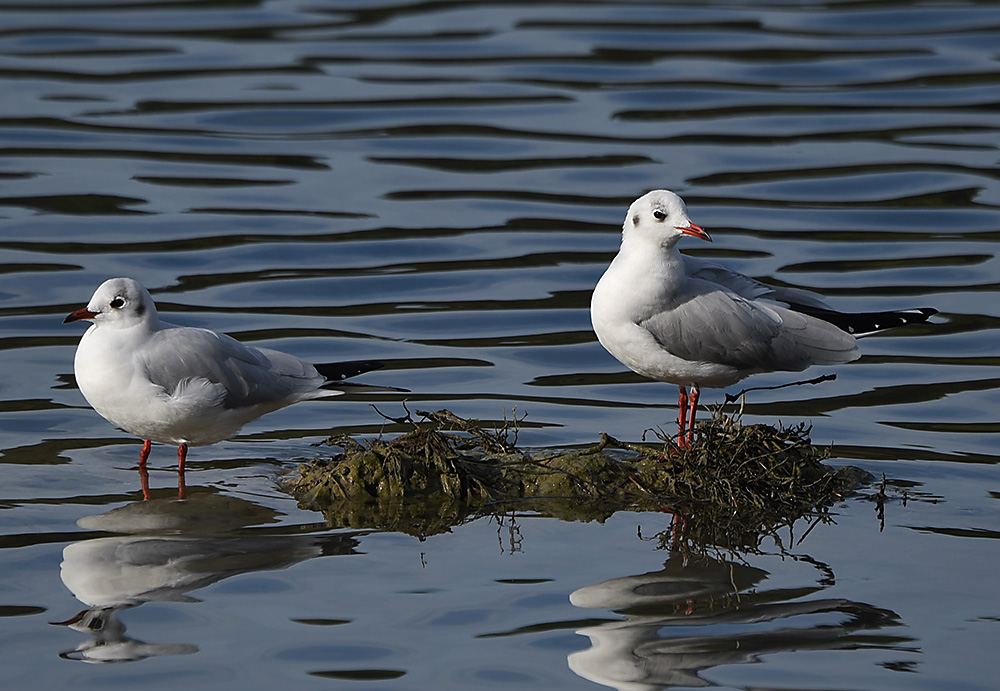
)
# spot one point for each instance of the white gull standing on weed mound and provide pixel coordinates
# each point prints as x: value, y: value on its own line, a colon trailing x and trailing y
x: 689, y: 322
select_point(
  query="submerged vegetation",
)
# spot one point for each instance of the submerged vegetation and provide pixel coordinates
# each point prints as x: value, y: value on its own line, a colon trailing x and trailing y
x: 734, y: 484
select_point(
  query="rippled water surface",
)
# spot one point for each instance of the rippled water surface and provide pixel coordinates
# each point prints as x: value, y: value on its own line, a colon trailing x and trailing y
x: 440, y: 185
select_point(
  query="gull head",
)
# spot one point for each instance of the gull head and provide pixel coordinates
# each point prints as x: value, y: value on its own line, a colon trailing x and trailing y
x: 118, y: 302
x: 661, y: 216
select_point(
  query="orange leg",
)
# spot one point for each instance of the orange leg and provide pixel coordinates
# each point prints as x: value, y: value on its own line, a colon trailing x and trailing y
x: 682, y: 405
x: 144, y: 482
x: 143, y: 473
x: 695, y: 395
x: 182, y: 451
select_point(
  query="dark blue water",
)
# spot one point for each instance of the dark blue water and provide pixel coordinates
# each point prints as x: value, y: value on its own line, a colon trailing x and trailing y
x: 440, y: 186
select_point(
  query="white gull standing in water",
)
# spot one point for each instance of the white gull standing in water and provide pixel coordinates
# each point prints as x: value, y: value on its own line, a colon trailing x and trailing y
x: 182, y: 385
x: 689, y: 322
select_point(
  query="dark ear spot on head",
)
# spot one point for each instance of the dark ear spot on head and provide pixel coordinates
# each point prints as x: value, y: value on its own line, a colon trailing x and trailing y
x: 635, y: 220
x: 140, y: 309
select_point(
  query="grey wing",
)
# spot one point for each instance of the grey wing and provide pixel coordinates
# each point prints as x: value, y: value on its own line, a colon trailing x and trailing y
x: 248, y: 376
x: 748, y: 287
x: 726, y: 328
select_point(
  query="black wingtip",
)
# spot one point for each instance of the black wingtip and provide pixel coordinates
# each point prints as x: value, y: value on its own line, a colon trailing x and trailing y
x: 903, y: 317
x: 339, y: 371
x: 860, y: 324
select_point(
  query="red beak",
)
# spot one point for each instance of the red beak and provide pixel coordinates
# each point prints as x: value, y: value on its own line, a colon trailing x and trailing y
x: 696, y: 232
x: 82, y: 313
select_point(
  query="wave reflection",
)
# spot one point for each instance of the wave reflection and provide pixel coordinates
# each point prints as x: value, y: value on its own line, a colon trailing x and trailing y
x: 698, y: 613
x: 169, y: 550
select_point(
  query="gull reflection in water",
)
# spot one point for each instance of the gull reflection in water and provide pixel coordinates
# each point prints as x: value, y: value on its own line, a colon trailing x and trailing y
x: 698, y: 613
x: 171, y: 549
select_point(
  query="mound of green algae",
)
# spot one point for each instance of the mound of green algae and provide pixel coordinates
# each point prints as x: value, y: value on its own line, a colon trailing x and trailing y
x: 734, y: 484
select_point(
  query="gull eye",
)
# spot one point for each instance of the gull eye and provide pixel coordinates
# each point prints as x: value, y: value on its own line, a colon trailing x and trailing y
x: 659, y: 215
x: 117, y: 303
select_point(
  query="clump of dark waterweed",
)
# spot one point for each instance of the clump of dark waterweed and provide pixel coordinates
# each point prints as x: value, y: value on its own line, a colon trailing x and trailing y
x: 733, y: 485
